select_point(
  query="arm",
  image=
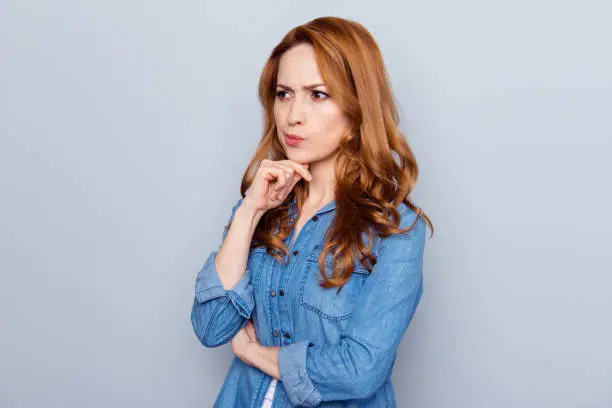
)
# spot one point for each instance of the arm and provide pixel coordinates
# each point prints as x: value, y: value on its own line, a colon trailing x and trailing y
x: 223, y: 293
x: 263, y: 357
x: 356, y: 367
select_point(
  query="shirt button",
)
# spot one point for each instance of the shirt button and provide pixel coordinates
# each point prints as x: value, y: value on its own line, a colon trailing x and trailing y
x: 296, y: 252
x: 281, y: 292
x: 287, y: 335
x: 275, y: 333
x: 315, y: 218
x: 273, y: 293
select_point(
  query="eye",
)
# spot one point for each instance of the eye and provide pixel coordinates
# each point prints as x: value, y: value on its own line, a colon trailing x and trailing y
x: 319, y: 93
x: 280, y: 94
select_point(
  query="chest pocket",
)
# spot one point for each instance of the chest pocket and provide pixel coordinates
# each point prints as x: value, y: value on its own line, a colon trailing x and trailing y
x: 324, y: 301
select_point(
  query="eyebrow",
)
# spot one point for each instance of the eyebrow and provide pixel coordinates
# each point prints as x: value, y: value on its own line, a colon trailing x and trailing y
x: 306, y: 87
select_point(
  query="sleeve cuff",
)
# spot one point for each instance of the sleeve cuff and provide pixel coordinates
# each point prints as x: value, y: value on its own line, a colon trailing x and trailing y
x: 292, y: 367
x: 208, y: 286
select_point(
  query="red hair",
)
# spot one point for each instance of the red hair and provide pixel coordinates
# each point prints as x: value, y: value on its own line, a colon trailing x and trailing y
x: 370, y: 182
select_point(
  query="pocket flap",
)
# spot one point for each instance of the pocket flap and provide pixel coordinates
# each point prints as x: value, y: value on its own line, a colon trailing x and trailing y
x: 316, y: 252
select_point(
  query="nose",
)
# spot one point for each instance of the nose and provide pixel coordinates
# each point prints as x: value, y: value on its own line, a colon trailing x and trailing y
x: 297, y: 111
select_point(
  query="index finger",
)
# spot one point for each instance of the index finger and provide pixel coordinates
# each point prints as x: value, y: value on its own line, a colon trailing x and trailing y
x: 300, y: 168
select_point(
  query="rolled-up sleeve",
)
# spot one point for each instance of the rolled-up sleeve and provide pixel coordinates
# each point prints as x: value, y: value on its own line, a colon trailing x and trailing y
x: 218, y: 313
x: 359, y: 363
x: 209, y: 287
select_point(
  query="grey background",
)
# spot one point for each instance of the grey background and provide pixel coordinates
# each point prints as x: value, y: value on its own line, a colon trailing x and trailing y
x: 125, y: 130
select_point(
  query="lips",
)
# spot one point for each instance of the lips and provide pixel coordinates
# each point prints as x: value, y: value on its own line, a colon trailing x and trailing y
x: 292, y: 140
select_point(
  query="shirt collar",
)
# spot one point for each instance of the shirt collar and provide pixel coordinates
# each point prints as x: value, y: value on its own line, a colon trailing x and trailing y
x: 326, y: 208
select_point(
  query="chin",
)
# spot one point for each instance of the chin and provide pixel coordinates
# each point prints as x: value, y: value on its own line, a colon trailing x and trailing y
x: 299, y: 158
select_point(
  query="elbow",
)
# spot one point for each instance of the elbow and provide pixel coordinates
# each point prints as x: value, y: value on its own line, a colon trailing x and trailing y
x: 212, y: 342
x: 366, y: 385
x: 223, y: 335
x: 363, y: 385
x: 369, y: 374
x: 207, y: 337
x: 217, y: 327
x: 202, y: 327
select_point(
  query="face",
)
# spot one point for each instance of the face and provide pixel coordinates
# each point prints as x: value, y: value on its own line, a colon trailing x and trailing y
x: 304, y: 108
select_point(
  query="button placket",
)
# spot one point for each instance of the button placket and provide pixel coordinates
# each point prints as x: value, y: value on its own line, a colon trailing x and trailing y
x: 274, y: 319
x: 285, y: 273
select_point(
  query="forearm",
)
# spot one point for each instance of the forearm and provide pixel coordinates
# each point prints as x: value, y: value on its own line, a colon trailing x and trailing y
x: 265, y: 358
x: 230, y: 260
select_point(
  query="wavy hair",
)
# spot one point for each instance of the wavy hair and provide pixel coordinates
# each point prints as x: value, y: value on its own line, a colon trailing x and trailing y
x: 370, y: 181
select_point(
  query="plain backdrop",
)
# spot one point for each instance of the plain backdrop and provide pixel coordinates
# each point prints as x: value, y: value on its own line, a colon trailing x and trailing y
x: 126, y: 127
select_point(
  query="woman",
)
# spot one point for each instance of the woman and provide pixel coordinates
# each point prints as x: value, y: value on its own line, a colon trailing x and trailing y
x: 320, y: 269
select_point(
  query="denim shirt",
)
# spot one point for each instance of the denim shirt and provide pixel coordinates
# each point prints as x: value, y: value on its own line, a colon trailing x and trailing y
x: 336, y: 350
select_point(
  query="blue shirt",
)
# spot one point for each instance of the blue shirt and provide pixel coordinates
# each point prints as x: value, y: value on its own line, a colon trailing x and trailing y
x: 336, y: 350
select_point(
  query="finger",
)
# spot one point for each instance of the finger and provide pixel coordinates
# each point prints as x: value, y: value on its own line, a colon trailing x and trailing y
x: 289, y: 169
x: 292, y: 172
x: 274, y: 176
x: 283, y: 164
x: 280, y: 183
x: 287, y: 165
x: 292, y: 178
x: 300, y: 168
x: 292, y: 182
x: 289, y: 176
x: 289, y: 180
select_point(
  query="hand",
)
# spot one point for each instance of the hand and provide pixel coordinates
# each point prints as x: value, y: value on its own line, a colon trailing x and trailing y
x: 243, y: 341
x: 273, y: 182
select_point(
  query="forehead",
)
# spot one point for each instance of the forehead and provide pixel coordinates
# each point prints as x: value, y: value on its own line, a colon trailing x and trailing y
x: 298, y: 66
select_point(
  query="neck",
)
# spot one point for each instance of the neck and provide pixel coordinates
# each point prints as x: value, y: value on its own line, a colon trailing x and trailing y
x: 322, y: 187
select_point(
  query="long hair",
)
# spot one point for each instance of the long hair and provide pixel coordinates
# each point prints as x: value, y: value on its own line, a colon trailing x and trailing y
x: 370, y: 183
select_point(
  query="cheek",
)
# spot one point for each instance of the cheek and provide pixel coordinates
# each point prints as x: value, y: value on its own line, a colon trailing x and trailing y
x: 276, y: 112
x: 280, y: 113
x: 279, y: 122
x: 332, y: 124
